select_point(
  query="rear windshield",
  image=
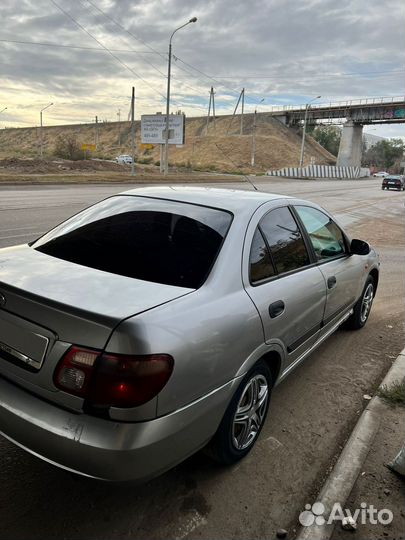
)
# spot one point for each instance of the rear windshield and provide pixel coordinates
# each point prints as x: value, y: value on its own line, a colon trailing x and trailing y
x: 150, y: 239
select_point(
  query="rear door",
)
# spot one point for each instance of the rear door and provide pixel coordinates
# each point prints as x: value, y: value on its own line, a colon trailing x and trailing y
x: 342, y: 272
x: 288, y: 290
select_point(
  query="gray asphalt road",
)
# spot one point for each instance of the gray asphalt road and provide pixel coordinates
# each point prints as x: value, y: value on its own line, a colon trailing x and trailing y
x: 28, y: 211
x: 311, y: 413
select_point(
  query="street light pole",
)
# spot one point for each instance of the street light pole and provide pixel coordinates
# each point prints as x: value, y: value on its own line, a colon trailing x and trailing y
x: 304, y: 129
x: 2, y: 110
x: 252, y: 160
x: 169, y: 65
x: 40, y: 128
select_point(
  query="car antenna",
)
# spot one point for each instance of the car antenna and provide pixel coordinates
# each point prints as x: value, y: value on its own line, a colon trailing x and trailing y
x: 233, y: 163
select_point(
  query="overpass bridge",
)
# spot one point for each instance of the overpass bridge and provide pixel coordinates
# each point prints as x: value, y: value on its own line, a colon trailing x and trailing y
x: 353, y: 114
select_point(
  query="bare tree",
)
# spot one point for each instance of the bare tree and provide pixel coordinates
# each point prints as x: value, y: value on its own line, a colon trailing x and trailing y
x: 68, y: 147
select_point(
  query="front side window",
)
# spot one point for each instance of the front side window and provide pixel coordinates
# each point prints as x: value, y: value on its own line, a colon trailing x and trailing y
x: 155, y: 240
x: 326, y: 237
x: 284, y: 238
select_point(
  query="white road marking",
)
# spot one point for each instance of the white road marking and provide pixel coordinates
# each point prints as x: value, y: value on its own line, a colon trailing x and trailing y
x: 194, y: 521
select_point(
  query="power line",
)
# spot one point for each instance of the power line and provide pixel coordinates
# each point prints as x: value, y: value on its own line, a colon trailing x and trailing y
x: 309, y: 76
x: 233, y: 77
x: 68, y: 46
x: 106, y: 49
x: 127, y: 31
x: 107, y: 16
x: 114, y: 56
x: 116, y: 23
x: 219, y: 83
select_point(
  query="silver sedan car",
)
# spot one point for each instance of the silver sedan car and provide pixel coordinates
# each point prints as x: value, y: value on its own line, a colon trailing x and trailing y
x: 156, y: 323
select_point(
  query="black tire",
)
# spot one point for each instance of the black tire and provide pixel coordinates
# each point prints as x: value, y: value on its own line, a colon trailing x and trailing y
x: 361, y: 313
x: 223, y: 446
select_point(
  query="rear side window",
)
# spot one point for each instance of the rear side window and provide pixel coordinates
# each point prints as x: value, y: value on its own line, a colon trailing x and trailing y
x: 326, y: 237
x: 284, y: 238
x: 150, y: 239
x: 261, y: 266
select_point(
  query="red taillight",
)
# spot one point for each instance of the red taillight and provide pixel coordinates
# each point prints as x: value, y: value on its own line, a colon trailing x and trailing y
x: 129, y: 381
x: 114, y: 380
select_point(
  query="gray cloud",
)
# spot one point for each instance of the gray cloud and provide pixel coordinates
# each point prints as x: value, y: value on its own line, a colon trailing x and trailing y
x: 282, y: 50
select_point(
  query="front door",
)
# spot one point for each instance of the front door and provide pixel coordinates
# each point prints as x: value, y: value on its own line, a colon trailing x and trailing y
x: 289, y: 292
x: 342, y: 272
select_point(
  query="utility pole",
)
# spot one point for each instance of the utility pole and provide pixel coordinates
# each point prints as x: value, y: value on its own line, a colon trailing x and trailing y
x: 304, y: 129
x: 209, y: 110
x: 96, y: 136
x: 243, y: 108
x: 133, y: 131
x: 252, y: 161
x: 119, y: 127
x: 40, y: 130
x: 212, y: 101
x: 241, y: 97
x: 213, y: 105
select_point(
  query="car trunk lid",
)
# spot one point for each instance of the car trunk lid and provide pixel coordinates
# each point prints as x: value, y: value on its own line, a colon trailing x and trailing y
x: 47, y: 304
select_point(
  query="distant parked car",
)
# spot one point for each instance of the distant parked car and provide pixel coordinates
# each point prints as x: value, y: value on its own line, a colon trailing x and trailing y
x: 394, y: 182
x: 382, y: 174
x: 158, y: 320
x: 124, y: 159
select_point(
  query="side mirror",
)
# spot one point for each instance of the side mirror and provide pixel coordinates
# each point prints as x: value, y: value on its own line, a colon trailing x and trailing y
x: 359, y: 247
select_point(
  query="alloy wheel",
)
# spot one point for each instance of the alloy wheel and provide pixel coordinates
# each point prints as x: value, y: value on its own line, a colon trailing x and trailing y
x: 366, y: 303
x: 250, y: 412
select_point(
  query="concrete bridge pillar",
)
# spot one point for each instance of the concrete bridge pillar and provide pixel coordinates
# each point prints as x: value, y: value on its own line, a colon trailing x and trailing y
x: 350, y: 146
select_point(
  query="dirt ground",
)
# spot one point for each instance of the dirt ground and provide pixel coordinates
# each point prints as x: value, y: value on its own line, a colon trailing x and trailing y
x: 379, y: 486
x: 37, y: 171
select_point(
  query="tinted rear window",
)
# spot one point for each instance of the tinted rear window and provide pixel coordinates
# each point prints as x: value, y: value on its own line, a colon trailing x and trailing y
x: 150, y: 239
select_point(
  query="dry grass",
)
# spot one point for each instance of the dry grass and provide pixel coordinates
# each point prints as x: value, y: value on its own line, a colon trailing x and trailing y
x: 119, y: 178
x: 394, y: 394
x: 221, y: 148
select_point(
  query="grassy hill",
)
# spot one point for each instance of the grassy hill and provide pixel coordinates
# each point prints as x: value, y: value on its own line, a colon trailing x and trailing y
x: 218, y: 148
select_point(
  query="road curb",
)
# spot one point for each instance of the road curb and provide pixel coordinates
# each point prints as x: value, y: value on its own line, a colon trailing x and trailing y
x: 343, y: 476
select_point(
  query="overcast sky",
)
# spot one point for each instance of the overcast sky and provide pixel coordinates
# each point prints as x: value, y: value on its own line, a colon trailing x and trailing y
x: 282, y: 51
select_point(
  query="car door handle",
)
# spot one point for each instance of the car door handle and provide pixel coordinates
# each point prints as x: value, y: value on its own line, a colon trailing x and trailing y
x: 331, y: 282
x: 276, y: 308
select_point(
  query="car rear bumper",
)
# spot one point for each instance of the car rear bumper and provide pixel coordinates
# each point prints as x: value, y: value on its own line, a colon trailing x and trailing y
x: 105, y: 449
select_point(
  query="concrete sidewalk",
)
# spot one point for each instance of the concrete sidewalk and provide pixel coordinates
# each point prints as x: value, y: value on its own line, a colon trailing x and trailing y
x: 377, y: 485
x: 360, y: 480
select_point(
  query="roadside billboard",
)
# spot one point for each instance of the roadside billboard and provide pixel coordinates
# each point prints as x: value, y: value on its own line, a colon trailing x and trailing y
x: 153, y: 128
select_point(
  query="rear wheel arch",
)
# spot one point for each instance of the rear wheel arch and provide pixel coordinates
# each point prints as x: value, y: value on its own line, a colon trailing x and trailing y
x: 273, y: 360
x: 375, y: 275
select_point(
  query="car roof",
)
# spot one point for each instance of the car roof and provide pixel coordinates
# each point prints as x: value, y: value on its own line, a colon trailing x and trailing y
x: 233, y: 200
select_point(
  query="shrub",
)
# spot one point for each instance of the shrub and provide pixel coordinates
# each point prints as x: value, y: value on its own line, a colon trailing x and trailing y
x: 68, y: 147
x: 144, y: 161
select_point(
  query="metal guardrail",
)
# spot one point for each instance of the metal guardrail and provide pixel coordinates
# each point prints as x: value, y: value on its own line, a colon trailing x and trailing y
x: 339, y: 104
